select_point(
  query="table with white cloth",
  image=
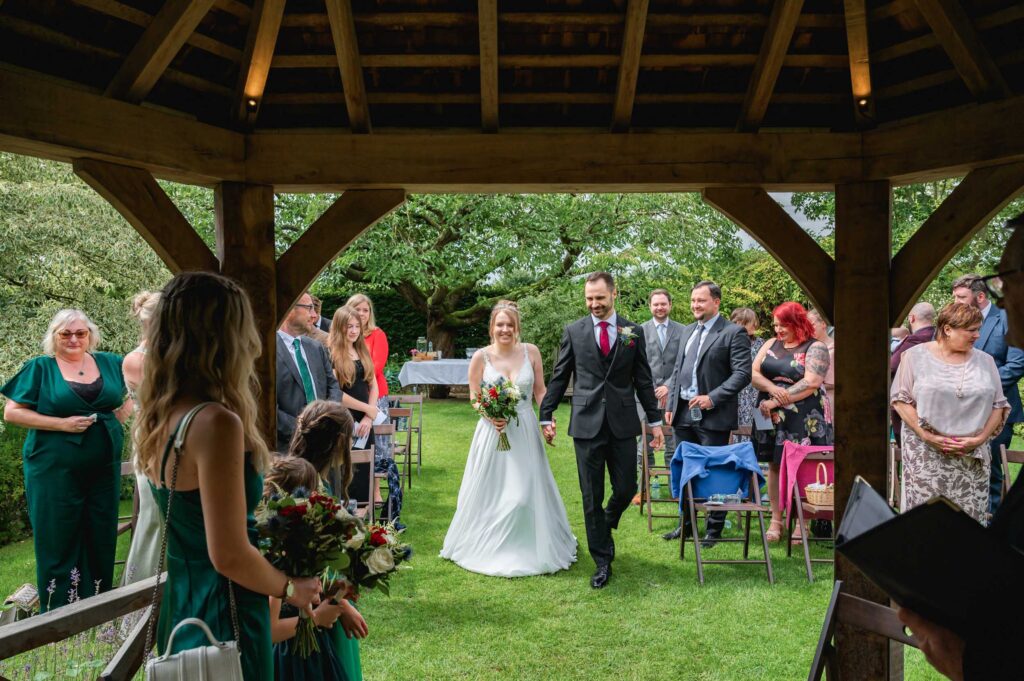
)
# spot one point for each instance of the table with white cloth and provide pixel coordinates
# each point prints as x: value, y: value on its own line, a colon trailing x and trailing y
x: 435, y: 372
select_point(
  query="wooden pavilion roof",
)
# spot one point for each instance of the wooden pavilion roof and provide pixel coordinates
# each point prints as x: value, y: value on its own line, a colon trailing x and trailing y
x: 597, y: 65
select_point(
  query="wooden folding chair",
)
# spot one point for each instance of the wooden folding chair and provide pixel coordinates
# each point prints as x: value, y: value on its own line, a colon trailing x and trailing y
x: 804, y: 508
x: 402, y: 442
x: 696, y: 507
x: 386, y: 430
x: 855, y: 612
x: 414, y: 402
x: 648, y: 474
x: 1008, y: 456
x: 893, y: 478
x: 126, y: 523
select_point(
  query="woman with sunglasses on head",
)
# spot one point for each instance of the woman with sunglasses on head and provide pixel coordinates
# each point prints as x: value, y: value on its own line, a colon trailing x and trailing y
x: 71, y: 400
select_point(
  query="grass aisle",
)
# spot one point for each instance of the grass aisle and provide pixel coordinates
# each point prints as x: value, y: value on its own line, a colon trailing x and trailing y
x: 653, y: 620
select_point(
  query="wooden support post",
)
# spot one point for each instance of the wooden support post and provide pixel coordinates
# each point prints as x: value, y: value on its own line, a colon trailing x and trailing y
x: 763, y: 218
x: 245, y: 247
x: 347, y: 218
x: 137, y: 196
x: 863, y: 245
x: 974, y: 202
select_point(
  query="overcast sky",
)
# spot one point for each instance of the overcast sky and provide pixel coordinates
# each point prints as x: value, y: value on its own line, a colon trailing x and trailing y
x: 785, y: 200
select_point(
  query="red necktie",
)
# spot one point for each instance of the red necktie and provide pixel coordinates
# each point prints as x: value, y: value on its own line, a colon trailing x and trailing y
x: 606, y: 345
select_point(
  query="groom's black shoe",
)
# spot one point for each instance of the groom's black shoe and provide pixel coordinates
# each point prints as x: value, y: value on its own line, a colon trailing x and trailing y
x: 676, y: 533
x: 710, y: 539
x: 601, y: 576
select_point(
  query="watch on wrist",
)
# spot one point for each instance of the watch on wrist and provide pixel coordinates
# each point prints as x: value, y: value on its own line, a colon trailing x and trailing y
x: 289, y: 590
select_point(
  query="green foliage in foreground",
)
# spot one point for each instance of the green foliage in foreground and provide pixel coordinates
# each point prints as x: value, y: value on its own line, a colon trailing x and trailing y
x: 653, y: 620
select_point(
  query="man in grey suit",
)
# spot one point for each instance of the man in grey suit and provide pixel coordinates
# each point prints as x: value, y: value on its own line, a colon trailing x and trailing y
x: 304, y: 371
x: 712, y: 367
x: 662, y: 335
x: 971, y: 290
x: 604, y: 356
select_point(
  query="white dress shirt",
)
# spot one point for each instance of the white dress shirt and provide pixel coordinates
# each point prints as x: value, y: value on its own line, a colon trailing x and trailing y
x: 613, y: 329
x: 289, y: 342
x: 702, y: 332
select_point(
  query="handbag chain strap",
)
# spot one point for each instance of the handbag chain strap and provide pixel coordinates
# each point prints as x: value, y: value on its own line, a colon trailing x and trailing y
x: 177, y: 441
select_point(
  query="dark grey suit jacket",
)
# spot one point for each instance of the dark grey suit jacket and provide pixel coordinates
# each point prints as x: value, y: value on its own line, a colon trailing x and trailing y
x: 662, y: 361
x: 724, y: 367
x: 291, y: 398
x: 604, y: 388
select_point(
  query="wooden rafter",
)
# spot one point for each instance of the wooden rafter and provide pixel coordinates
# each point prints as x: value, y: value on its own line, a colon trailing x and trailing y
x: 138, y: 197
x: 346, y: 48
x: 160, y: 42
x: 956, y: 33
x: 860, y: 61
x: 348, y: 217
x: 974, y: 202
x: 256, y: 59
x: 777, y: 37
x: 487, y: 13
x: 554, y: 61
x: 629, y: 64
x: 799, y: 254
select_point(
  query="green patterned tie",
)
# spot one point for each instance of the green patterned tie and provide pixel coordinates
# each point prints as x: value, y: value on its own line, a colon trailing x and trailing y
x: 307, y: 379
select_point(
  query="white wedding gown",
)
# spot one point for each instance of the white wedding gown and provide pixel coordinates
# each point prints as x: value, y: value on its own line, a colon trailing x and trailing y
x: 510, y: 520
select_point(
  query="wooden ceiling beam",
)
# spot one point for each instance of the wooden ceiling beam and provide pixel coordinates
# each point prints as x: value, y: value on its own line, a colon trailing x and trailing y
x: 972, y: 205
x: 554, y: 61
x: 346, y: 47
x: 487, y: 15
x: 760, y: 216
x: 136, y: 195
x: 159, y: 44
x: 350, y: 215
x: 940, y: 78
x: 603, y: 98
x: 956, y: 33
x: 860, y: 62
x: 629, y: 64
x: 256, y: 59
x: 777, y: 38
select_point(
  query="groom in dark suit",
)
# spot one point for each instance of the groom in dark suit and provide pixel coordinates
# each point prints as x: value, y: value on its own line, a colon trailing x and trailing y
x: 607, y: 356
x: 304, y: 370
x: 712, y: 367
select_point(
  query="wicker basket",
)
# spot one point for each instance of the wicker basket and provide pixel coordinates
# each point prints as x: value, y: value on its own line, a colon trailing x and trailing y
x: 821, y: 492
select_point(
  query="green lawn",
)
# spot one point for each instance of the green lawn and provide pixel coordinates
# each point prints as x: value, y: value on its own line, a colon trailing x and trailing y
x: 652, y: 621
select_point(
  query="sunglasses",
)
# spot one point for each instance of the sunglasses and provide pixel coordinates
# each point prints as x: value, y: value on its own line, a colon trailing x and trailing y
x: 66, y: 335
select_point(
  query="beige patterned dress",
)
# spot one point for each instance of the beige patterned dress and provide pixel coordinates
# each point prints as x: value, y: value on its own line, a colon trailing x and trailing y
x: 932, y: 386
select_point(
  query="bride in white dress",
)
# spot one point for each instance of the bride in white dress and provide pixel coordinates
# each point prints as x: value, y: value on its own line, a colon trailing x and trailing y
x: 510, y: 520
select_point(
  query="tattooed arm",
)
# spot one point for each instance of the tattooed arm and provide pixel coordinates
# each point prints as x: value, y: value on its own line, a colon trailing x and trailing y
x: 815, y: 367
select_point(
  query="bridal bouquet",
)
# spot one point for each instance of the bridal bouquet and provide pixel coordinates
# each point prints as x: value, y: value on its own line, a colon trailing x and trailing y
x: 305, y: 535
x: 374, y: 555
x: 499, y: 400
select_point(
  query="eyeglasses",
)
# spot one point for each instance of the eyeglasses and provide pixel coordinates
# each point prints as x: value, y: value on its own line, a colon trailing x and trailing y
x: 308, y: 308
x: 80, y: 334
x: 994, y: 283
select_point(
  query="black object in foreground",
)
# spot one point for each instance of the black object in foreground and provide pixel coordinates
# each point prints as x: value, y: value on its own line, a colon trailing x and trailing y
x: 934, y: 559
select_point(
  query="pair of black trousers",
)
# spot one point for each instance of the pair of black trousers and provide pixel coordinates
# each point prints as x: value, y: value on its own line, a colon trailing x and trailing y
x: 592, y: 456
x: 709, y: 438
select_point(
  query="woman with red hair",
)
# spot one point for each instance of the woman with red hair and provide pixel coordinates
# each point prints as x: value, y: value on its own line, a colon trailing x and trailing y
x: 789, y: 370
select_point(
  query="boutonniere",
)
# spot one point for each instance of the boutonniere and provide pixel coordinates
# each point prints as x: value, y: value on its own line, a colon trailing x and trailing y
x: 627, y: 336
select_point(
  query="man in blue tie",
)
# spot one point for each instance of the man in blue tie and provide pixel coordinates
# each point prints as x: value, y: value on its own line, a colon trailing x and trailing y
x: 304, y: 370
x: 970, y: 289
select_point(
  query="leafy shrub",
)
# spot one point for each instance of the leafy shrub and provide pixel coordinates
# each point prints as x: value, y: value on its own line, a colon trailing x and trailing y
x: 13, y: 508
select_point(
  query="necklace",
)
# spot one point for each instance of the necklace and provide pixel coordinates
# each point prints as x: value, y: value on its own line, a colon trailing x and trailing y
x: 81, y: 365
x: 963, y: 374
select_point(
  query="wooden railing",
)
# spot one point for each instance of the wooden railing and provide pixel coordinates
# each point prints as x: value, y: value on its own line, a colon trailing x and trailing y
x: 75, y: 618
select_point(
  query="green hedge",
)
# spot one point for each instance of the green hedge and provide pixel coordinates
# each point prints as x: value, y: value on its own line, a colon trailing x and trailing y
x: 13, y: 507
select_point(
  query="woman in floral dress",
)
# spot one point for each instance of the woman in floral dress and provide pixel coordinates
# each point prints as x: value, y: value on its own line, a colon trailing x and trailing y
x: 747, y: 398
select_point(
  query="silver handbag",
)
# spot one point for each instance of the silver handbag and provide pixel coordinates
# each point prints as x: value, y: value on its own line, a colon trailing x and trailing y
x: 219, y: 661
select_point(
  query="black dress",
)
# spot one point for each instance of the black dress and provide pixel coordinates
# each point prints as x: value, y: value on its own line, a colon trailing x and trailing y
x: 359, y: 390
x: 801, y: 422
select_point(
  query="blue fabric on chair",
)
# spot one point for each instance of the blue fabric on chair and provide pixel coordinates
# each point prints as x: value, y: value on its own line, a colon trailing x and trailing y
x: 713, y: 470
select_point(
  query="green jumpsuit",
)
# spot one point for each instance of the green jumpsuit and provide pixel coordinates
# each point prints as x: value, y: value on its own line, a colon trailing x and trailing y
x: 72, y: 480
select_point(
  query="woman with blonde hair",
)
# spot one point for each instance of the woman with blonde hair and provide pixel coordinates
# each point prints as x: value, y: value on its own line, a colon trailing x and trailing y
x: 144, y: 551
x: 71, y: 400
x: 357, y: 377
x: 201, y: 348
x: 510, y: 520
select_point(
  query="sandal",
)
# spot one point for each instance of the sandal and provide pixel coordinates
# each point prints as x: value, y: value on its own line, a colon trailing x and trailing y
x: 774, y: 532
x: 797, y: 538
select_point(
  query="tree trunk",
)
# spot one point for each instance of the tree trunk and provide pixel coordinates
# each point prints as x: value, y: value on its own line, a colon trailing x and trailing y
x: 443, y: 340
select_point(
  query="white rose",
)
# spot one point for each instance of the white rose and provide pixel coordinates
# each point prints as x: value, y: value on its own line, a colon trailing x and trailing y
x: 356, y: 541
x: 380, y: 561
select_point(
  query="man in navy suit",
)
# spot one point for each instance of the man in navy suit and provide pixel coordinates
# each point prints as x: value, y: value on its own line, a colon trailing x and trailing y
x: 970, y: 289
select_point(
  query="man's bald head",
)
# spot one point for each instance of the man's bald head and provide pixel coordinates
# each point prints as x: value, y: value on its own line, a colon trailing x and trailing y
x: 921, y: 315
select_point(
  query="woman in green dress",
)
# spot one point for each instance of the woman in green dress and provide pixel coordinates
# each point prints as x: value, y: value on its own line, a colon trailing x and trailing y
x: 323, y: 436
x: 201, y: 347
x: 71, y: 400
